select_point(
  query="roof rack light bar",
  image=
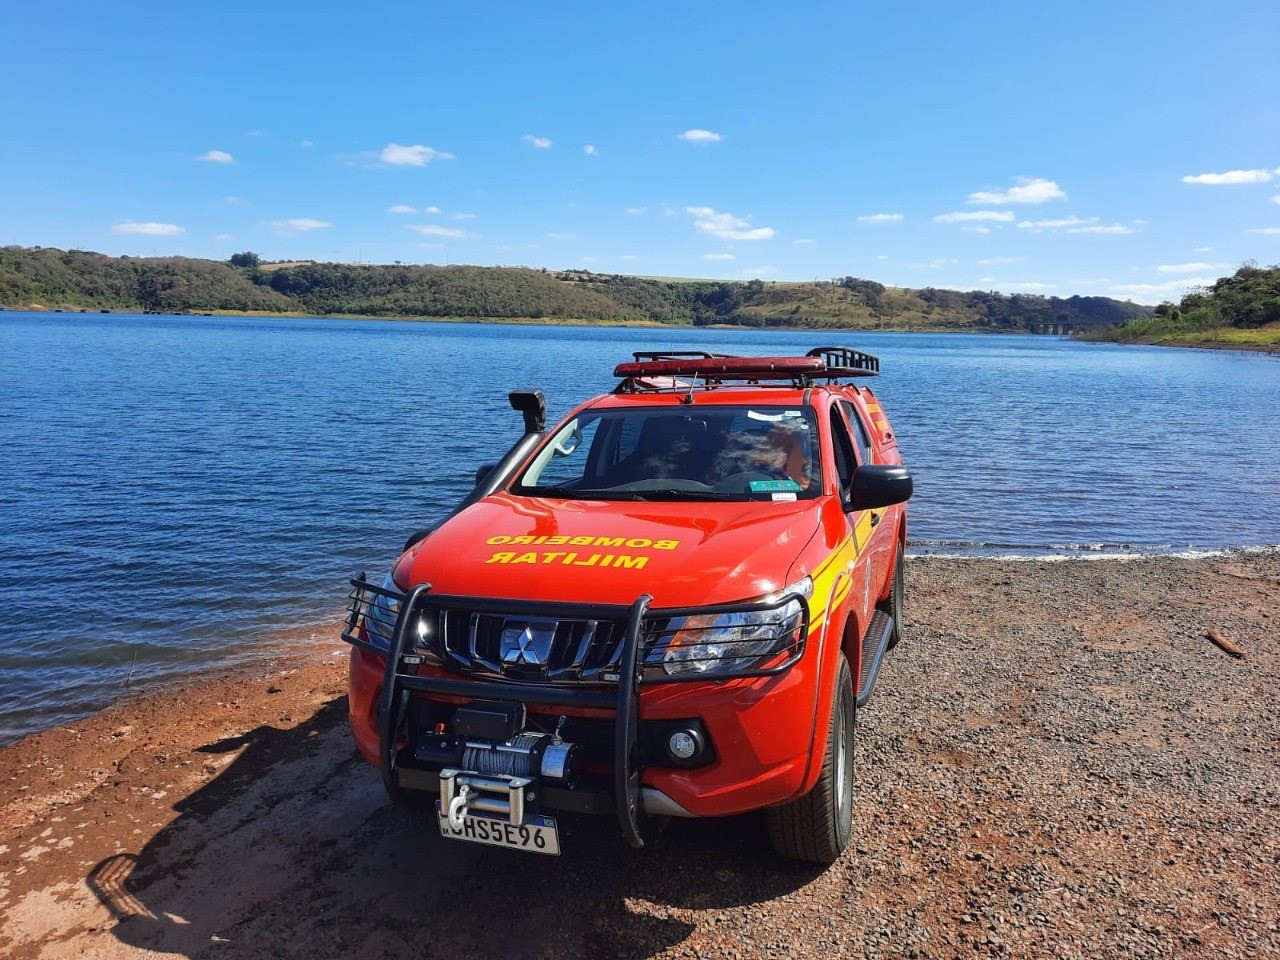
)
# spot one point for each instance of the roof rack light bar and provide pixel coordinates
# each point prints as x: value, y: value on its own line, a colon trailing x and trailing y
x: 658, y: 370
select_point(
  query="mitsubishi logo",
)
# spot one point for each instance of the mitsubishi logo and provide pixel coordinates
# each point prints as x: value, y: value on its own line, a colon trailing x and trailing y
x: 527, y: 642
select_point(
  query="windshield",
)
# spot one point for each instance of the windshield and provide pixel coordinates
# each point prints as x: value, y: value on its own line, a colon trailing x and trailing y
x: 712, y: 453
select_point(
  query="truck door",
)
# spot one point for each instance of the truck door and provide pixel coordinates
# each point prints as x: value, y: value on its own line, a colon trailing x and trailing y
x: 882, y: 547
x: 842, y: 446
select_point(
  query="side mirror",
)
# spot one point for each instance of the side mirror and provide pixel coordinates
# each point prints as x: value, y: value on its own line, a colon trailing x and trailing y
x: 483, y: 471
x: 879, y: 485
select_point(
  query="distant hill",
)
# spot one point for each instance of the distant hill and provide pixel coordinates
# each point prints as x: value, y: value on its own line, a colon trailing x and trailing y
x: 1240, y: 310
x: 48, y: 278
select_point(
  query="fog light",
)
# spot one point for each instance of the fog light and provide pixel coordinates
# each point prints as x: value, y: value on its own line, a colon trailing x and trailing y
x: 683, y: 745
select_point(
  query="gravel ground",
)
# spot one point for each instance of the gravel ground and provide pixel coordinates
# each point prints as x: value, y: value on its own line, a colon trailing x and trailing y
x: 1056, y: 763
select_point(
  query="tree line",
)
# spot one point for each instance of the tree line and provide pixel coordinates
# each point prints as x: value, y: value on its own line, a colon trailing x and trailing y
x: 48, y: 277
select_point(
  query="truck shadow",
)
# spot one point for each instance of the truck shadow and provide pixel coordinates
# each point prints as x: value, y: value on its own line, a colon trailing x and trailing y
x: 292, y: 850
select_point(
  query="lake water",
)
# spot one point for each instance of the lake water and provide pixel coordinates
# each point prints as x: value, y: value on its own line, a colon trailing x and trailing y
x: 173, y: 489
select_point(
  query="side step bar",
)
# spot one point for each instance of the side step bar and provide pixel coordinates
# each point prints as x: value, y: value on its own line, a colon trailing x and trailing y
x: 874, y: 645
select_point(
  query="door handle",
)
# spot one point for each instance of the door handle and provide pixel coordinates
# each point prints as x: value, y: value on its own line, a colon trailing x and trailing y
x: 875, y: 519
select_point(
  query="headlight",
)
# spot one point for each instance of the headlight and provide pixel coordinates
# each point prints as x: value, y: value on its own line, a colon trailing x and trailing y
x: 723, y: 644
x: 381, y: 614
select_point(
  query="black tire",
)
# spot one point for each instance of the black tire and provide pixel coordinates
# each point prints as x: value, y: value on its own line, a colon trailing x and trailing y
x: 897, y: 595
x: 817, y: 827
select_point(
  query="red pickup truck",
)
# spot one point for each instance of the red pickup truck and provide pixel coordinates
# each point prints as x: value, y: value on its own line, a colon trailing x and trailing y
x: 670, y: 605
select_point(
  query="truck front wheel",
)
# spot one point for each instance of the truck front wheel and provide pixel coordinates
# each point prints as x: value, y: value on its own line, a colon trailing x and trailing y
x: 817, y: 826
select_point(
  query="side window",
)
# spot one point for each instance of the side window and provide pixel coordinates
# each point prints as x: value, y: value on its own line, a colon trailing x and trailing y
x: 866, y: 452
x: 563, y: 462
x: 842, y: 447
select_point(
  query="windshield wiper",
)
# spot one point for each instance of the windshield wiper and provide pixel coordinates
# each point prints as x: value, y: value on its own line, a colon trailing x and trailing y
x: 571, y: 493
x: 673, y: 494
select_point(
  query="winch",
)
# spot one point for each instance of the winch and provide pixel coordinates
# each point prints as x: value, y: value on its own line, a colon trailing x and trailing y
x: 527, y: 754
x: 489, y: 767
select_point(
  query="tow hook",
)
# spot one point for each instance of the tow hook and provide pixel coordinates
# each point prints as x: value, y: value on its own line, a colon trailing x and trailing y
x: 458, y: 807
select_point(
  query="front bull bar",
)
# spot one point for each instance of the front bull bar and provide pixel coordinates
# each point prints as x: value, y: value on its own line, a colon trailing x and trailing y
x: 398, y: 688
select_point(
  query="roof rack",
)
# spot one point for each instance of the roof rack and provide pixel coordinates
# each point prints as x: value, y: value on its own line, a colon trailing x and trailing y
x: 641, y: 355
x: 846, y: 362
x: 657, y: 370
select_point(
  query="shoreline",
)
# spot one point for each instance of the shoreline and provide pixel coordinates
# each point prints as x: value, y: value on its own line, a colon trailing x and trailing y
x: 251, y: 656
x: 1040, y: 753
x: 1245, y: 346
x: 517, y: 321
x: 578, y: 322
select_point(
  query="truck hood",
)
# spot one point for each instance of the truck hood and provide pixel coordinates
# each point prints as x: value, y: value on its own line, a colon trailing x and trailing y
x: 583, y: 551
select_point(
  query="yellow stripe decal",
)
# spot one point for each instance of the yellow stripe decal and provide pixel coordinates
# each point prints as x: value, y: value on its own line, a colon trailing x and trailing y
x: 837, y: 563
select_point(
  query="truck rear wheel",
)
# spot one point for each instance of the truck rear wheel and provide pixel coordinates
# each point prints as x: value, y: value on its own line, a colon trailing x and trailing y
x: 817, y: 827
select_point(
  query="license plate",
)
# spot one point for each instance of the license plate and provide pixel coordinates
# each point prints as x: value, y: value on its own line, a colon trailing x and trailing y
x: 536, y: 834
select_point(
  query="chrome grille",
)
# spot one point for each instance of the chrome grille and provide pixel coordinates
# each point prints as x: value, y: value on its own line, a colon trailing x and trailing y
x: 520, y: 647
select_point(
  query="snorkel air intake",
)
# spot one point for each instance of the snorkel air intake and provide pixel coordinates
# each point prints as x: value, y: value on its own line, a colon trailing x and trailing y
x: 533, y: 407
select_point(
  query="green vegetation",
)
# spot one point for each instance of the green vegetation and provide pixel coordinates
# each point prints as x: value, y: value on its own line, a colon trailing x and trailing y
x: 75, y: 279
x: 56, y: 279
x: 1239, y: 310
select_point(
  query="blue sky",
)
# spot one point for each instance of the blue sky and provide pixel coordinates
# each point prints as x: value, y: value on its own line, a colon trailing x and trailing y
x: 1126, y: 149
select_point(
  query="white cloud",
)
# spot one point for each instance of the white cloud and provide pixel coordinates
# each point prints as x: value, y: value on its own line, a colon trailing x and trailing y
x: 431, y: 209
x: 1170, y: 288
x: 436, y: 230
x: 999, y: 261
x: 1109, y: 228
x: 223, y: 237
x: 628, y: 256
x: 881, y: 218
x: 400, y: 208
x: 560, y: 236
x: 975, y: 216
x: 700, y: 136
x: 1203, y: 250
x: 1062, y: 224
x: 636, y: 211
x: 216, y: 156
x: 462, y: 216
x: 757, y: 272
x: 1190, y: 267
x: 237, y: 201
x: 431, y: 246
x: 934, y: 264
x: 1265, y: 231
x: 1030, y: 286
x: 298, y: 225
x: 395, y: 155
x: 717, y: 256
x: 725, y: 226
x: 976, y: 229
x: 305, y: 144
x: 881, y: 256
x: 1025, y: 190
x: 542, y: 143
x: 1230, y: 177
x: 805, y: 240
x: 148, y: 229
x: 590, y: 150
x: 1276, y: 198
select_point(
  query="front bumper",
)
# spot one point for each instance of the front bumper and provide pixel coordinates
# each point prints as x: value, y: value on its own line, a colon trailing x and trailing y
x: 760, y: 727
